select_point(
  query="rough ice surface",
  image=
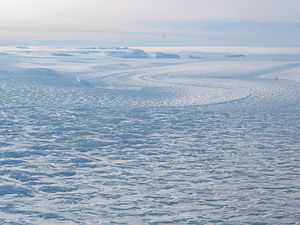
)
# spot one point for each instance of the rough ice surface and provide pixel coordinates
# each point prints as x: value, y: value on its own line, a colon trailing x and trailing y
x: 90, y: 136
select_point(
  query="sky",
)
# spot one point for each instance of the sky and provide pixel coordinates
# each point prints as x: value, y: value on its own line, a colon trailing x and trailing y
x: 151, y: 22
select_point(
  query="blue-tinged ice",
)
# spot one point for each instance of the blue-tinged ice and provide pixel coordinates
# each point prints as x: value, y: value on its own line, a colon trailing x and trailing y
x: 120, y: 136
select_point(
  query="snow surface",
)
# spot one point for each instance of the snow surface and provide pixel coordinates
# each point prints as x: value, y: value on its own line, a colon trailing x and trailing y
x: 107, y: 136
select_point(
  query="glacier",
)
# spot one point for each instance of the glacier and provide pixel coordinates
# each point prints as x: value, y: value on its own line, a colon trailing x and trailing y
x: 120, y: 136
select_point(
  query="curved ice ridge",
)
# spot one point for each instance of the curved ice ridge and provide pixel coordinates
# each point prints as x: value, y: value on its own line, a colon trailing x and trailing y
x: 178, y: 91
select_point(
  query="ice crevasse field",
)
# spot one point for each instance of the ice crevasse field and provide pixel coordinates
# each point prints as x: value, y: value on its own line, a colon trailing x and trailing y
x: 92, y: 135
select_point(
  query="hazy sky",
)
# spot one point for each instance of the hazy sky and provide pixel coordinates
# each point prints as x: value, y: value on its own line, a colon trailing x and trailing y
x: 152, y: 22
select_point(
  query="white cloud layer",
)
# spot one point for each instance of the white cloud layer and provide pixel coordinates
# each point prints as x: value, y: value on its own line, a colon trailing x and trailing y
x: 107, y: 13
x: 55, y: 17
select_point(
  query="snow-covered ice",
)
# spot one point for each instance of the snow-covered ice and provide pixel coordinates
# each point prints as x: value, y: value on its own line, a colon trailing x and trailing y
x: 121, y: 136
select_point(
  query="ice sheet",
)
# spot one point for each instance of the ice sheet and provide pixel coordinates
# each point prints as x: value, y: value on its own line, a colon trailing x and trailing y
x: 91, y: 138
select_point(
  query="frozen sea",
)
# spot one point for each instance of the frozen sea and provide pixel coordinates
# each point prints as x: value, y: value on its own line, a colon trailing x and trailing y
x: 149, y: 136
